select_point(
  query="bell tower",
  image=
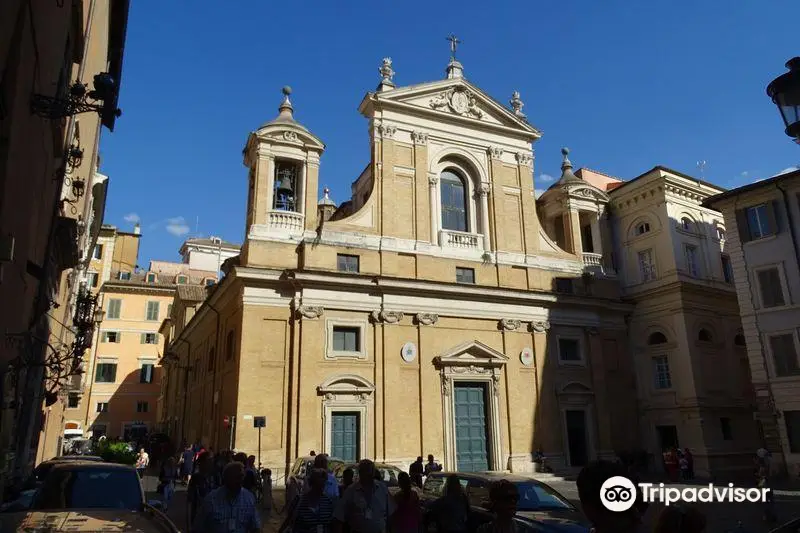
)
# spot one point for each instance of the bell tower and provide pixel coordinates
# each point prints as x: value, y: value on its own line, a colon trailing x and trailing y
x: 282, y: 157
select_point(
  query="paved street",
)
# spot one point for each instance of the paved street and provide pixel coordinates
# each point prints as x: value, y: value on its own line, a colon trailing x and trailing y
x: 721, y: 517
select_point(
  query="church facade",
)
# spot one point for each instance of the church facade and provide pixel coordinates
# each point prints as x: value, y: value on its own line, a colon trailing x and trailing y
x: 436, y: 311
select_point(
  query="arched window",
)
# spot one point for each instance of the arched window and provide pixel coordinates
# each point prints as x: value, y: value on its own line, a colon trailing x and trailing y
x: 454, y: 202
x: 738, y: 340
x: 642, y: 228
x: 686, y: 224
x: 704, y: 335
x: 656, y: 338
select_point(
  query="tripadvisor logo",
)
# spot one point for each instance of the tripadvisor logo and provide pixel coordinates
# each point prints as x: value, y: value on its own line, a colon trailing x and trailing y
x: 619, y: 493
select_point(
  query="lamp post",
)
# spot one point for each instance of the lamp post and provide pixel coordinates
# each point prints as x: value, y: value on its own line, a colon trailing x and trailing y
x: 785, y: 93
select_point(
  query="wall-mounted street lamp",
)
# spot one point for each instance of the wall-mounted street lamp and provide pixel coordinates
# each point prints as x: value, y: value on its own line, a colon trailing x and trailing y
x: 74, y: 157
x: 102, y: 100
x: 785, y: 93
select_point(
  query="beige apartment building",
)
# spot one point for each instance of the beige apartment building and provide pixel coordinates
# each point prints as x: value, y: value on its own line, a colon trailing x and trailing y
x: 118, y: 394
x: 430, y: 313
x: 672, y: 255
x: 763, y: 221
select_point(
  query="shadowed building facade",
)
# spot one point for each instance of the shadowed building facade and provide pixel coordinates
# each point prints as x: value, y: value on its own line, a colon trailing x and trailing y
x: 430, y: 313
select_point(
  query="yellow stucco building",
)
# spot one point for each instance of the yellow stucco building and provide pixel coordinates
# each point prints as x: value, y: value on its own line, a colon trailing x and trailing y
x: 430, y: 313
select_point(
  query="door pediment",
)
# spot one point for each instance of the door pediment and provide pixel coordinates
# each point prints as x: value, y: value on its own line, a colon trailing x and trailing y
x: 473, y: 353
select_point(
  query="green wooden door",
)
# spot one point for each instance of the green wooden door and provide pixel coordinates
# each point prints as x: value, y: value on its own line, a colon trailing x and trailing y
x: 345, y: 437
x: 472, y: 451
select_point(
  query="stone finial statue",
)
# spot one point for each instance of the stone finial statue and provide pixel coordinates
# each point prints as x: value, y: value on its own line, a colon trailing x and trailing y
x: 386, y: 71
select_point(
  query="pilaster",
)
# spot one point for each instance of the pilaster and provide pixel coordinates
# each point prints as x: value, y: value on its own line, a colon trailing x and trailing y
x: 310, y: 188
x: 421, y: 186
x: 496, y: 218
x: 601, y: 403
x: 574, y: 231
x: 262, y: 194
x: 530, y: 220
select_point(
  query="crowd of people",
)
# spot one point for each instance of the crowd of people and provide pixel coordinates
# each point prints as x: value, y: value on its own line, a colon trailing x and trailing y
x: 227, y: 492
x: 679, y: 464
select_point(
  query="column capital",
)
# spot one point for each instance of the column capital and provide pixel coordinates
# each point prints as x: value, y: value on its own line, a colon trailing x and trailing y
x: 483, y: 189
x: 495, y: 152
x: 433, y: 179
x: 419, y: 137
x: 523, y: 158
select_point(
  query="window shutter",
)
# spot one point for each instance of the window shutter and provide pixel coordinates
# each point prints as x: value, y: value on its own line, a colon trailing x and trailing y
x: 142, y: 338
x: 773, y: 212
x: 741, y: 223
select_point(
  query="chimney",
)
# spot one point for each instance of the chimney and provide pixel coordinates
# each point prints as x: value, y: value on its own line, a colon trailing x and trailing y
x: 137, y: 229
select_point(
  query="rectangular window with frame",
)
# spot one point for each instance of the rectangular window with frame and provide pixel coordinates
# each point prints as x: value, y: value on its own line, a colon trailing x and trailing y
x: 770, y: 287
x: 725, y: 426
x: 114, y: 308
x: 113, y: 337
x: 647, y: 267
x: 727, y: 268
x: 73, y: 400
x: 124, y: 276
x: 149, y: 338
x: 692, y: 261
x: 105, y: 372
x: 142, y: 407
x: 101, y: 407
x: 152, y: 310
x: 92, y: 279
x: 346, y: 339
x: 465, y: 275
x: 758, y: 221
x: 347, y: 263
x: 661, y: 374
x: 98, y: 251
x: 146, y: 372
x: 784, y: 355
x: 792, y: 421
x: 569, y: 350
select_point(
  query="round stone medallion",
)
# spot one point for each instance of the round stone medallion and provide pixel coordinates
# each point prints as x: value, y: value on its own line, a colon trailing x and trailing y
x: 526, y: 357
x: 409, y: 352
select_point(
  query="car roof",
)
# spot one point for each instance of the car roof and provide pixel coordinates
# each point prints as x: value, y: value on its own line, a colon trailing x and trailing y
x: 488, y: 476
x: 377, y: 465
x: 71, y: 458
x: 90, y: 465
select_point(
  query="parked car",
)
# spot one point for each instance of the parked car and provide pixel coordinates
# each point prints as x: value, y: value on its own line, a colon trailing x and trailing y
x: 296, y: 478
x: 540, y: 507
x: 389, y: 473
x: 89, y: 496
x: 44, y: 467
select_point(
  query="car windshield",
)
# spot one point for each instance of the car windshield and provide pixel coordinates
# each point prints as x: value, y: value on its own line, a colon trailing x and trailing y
x: 90, y: 488
x: 537, y: 497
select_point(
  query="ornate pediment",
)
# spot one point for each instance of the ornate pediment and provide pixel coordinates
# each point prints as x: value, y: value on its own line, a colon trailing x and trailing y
x: 455, y: 97
x: 471, y: 354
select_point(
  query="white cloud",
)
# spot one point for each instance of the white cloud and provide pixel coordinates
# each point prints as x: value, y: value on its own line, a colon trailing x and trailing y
x: 538, y: 192
x: 745, y: 174
x: 132, y: 218
x: 787, y: 170
x: 546, y: 178
x: 177, y: 226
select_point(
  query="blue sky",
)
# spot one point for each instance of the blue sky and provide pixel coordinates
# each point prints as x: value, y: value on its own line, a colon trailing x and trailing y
x: 625, y: 85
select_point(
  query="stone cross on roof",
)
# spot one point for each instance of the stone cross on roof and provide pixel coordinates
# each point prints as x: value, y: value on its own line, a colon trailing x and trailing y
x: 454, y: 42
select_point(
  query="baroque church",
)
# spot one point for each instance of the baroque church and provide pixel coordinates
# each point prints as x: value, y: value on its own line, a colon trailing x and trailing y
x: 439, y: 310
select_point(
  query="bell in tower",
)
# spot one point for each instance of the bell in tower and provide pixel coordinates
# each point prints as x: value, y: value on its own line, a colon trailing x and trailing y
x: 285, y: 179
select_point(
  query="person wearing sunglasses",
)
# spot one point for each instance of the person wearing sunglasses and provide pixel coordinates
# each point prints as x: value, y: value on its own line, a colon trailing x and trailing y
x: 503, y: 499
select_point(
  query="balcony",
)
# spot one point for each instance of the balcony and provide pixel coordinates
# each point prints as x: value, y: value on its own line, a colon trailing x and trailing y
x: 460, y: 240
x: 286, y: 221
x: 591, y: 260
